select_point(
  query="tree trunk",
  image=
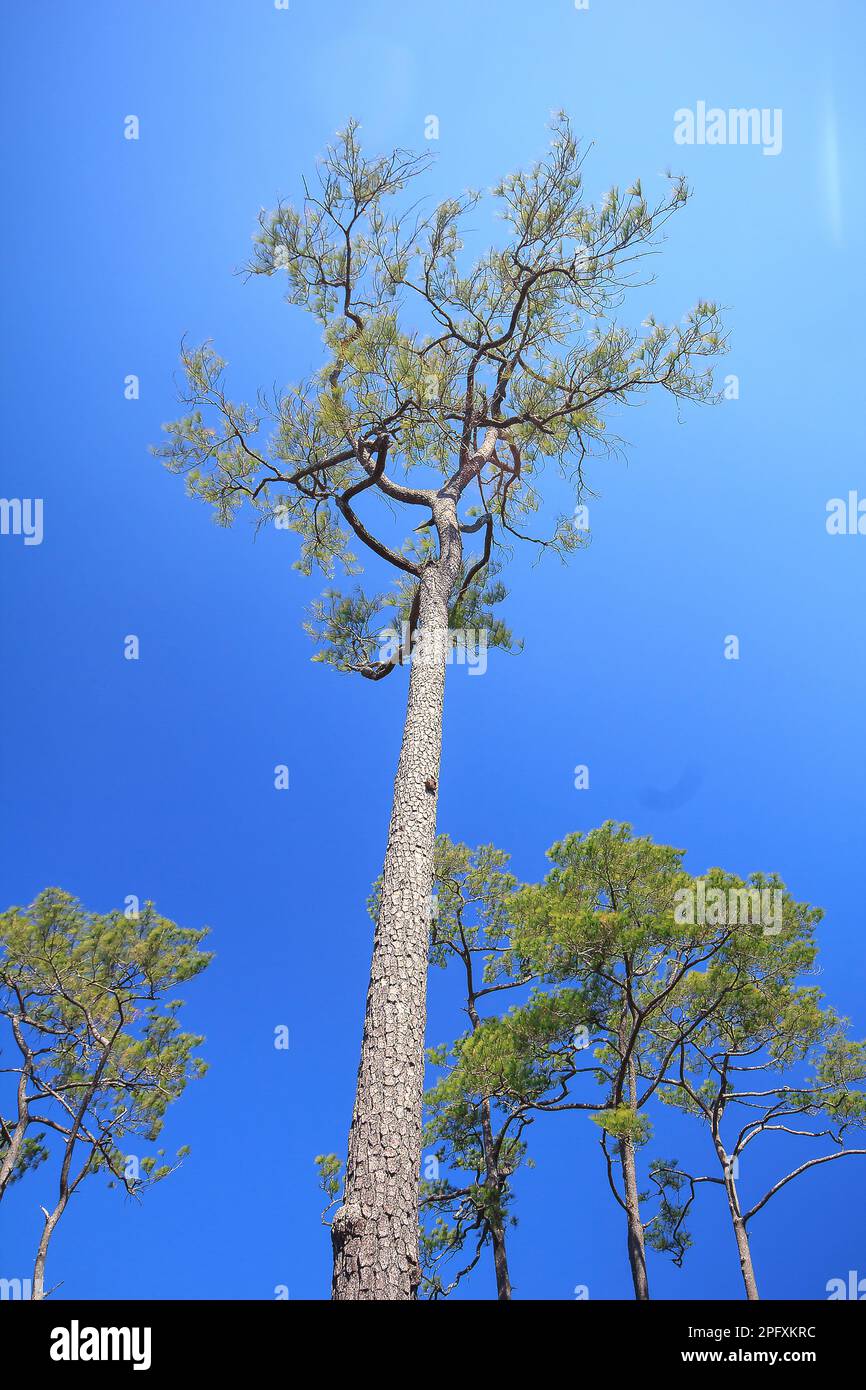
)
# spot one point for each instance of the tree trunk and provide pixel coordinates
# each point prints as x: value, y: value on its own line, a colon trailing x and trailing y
x: 38, y: 1291
x: 66, y: 1188
x: 631, y: 1193
x: 745, y: 1253
x: 375, y: 1231
x: 741, y: 1235
x: 497, y: 1226
x: 491, y: 1168
x: 636, y: 1249
x: 500, y: 1262
x: 16, y: 1143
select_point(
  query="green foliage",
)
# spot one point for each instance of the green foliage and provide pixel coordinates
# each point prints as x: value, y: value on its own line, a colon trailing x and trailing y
x: 356, y: 631
x: 33, y: 1151
x: 665, y: 1232
x: 526, y: 1054
x: 609, y: 895
x: 627, y: 1000
x: 472, y: 1132
x: 621, y: 1122
x: 330, y: 1170
x: 88, y: 1001
x: 427, y: 353
x: 473, y: 889
x: 833, y: 1088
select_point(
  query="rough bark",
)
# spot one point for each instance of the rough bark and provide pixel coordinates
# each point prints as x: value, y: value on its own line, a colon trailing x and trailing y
x: 500, y: 1262
x: 741, y: 1235
x: 636, y: 1248
x: 375, y: 1231
x: 51, y: 1220
x: 631, y: 1191
x: 16, y: 1143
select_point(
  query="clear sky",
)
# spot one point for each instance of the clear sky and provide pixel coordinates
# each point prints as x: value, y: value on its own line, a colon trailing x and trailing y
x: 155, y: 777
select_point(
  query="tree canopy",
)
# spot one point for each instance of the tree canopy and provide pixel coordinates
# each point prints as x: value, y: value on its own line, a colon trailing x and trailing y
x: 99, y: 1053
x: 440, y: 369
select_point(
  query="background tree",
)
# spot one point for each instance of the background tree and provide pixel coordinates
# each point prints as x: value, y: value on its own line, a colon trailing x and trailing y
x: 480, y: 1147
x: 511, y: 1067
x: 625, y: 1000
x: 101, y: 1051
x: 769, y: 1058
x: 604, y: 923
x: 473, y: 1202
x: 600, y: 933
x: 446, y: 388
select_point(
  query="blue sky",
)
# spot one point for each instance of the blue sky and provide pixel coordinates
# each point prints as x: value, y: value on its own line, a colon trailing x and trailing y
x: 156, y: 777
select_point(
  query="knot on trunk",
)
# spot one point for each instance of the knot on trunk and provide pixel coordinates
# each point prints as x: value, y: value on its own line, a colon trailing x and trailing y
x: 348, y: 1221
x: 430, y: 784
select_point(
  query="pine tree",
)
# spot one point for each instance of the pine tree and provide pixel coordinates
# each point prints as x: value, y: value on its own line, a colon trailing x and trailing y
x: 90, y: 1006
x: 769, y: 1057
x: 480, y: 1142
x: 604, y: 920
x: 446, y: 389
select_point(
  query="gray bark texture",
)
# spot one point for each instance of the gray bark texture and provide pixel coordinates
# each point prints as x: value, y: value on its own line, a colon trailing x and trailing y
x: 375, y: 1231
x: 636, y: 1248
x: 16, y: 1144
x: 631, y: 1191
x: 51, y: 1220
x: 741, y: 1235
